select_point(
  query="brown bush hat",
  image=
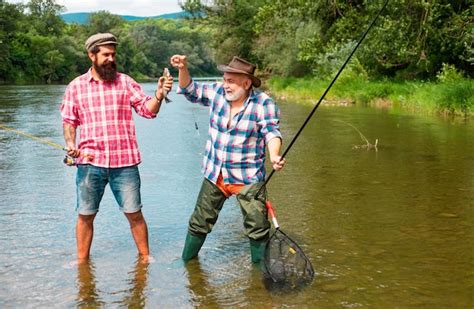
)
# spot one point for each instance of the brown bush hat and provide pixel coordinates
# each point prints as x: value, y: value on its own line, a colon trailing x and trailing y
x: 100, y: 39
x: 241, y: 66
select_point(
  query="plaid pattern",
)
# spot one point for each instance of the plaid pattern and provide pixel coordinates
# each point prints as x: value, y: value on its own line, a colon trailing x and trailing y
x: 103, y: 110
x: 238, y: 150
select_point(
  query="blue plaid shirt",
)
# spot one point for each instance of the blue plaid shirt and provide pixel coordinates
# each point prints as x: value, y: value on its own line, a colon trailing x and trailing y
x: 236, y: 150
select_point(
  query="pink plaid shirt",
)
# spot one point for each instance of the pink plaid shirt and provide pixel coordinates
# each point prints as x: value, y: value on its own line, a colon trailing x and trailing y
x: 103, y: 110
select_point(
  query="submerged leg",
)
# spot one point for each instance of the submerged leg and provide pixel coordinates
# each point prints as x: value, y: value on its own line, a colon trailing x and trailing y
x: 192, y: 246
x: 208, y: 205
x: 256, y: 224
x: 139, y: 232
x: 84, y: 234
x: 257, y: 250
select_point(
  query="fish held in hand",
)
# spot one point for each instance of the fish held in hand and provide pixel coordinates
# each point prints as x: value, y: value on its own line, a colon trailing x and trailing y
x: 166, y: 75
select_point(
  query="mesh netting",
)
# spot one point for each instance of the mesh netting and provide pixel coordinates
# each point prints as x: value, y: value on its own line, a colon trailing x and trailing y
x: 285, y: 263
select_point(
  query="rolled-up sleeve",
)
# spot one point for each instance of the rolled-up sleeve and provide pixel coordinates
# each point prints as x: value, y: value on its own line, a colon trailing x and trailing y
x: 68, y: 108
x: 138, y: 100
x: 199, y: 93
x: 269, y: 121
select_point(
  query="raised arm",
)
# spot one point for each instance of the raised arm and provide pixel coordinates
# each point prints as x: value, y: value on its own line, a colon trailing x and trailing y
x: 180, y: 62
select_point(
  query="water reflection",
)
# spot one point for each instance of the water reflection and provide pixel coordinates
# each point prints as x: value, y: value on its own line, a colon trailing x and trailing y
x: 199, y: 286
x: 212, y: 285
x: 90, y: 296
x: 136, y: 296
x: 87, y: 292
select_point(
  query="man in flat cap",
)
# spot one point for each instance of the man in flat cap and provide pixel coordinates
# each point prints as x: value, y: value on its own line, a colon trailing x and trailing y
x: 242, y: 123
x: 100, y: 102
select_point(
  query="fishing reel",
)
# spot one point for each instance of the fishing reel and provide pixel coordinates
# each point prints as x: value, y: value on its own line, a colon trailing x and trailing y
x: 69, y: 161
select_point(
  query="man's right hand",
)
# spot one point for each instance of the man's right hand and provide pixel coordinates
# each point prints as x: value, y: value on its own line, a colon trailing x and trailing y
x: 72, y: 151
x: 179, y: 62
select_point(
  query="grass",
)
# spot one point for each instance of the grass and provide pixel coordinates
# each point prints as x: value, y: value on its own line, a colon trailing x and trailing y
x: 449, y: 98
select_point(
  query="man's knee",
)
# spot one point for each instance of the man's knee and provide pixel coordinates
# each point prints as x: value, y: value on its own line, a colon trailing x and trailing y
x: 86, y: 219
x: 135, y: 218
x: 256, y: 224
x: 199, y: 226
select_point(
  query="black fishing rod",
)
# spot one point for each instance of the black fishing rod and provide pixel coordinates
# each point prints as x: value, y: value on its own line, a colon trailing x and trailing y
x: 324, y: 94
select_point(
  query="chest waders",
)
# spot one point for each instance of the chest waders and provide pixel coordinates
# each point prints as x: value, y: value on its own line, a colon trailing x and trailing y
x: 209, y: 203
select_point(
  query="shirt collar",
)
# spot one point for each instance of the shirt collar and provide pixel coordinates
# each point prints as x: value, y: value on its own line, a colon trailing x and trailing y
x: 252, y: 97
x: 89, y: 76
x: 253, y: 94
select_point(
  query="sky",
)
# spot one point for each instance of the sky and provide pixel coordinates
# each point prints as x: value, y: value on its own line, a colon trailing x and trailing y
x: 119, y: 7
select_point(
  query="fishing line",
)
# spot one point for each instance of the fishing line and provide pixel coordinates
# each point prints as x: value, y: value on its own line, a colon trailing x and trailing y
x: 68, y: 160
x: 43, y: 141
x: 324, y: 94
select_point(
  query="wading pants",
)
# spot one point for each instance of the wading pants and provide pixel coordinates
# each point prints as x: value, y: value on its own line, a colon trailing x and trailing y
x: 210, y: 201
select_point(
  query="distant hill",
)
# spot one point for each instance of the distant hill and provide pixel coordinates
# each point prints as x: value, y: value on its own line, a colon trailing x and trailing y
x: 81, y: 18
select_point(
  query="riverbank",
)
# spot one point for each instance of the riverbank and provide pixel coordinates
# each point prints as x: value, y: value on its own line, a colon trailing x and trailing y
x: 454, y: 97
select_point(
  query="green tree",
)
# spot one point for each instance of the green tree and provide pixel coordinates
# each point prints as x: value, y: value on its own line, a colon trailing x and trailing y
x: 11, y: 16
x: 412, y: 39
x: 44, y: 16
x: 232, y: 22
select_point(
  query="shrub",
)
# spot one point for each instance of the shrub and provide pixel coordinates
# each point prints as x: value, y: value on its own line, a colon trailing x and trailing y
x: 448, y: 74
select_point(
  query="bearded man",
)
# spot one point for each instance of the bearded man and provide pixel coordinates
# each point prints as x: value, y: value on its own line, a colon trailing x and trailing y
x: 100, y: 102
x: 242, y: 123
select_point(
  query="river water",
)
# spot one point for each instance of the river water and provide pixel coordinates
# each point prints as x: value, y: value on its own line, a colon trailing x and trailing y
x: 386, y: 228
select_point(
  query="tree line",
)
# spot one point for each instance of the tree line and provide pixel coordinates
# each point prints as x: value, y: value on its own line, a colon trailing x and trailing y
x: 413, y: 39
x: 37, y: 46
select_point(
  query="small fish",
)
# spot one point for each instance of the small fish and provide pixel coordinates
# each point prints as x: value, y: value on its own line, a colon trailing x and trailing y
x: 166, y: 75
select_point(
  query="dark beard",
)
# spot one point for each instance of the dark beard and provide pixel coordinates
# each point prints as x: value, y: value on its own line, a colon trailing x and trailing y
x: 107, y: 71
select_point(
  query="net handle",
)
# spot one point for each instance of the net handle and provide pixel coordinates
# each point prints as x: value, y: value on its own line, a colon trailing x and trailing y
x: 271, y: 212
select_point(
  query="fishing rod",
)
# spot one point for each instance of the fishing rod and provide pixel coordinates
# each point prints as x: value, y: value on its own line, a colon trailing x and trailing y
x: 68, y: 160
x: 324, y: 94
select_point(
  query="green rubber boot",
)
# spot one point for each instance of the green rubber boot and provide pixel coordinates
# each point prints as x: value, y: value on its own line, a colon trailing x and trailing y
x: 192, y: 245
x: 257, y: 250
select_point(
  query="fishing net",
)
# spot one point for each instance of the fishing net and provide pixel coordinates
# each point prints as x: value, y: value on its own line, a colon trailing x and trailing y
x: 285, y: 263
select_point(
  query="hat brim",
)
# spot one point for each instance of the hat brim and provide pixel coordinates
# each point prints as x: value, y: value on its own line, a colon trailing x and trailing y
x: 256, y: 82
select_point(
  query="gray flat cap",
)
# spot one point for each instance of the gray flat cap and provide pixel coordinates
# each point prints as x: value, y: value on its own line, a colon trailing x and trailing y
x: 99, y: 39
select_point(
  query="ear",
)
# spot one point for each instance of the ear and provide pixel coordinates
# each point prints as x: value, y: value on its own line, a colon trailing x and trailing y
x: 91, y: 56
x: 247, y: 84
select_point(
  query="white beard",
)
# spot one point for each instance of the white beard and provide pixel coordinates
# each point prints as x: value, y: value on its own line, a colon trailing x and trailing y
x: 236, y: 95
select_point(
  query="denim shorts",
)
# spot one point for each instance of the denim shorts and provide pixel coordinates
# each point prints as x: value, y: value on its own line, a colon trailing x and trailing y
x: 92, y: 180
